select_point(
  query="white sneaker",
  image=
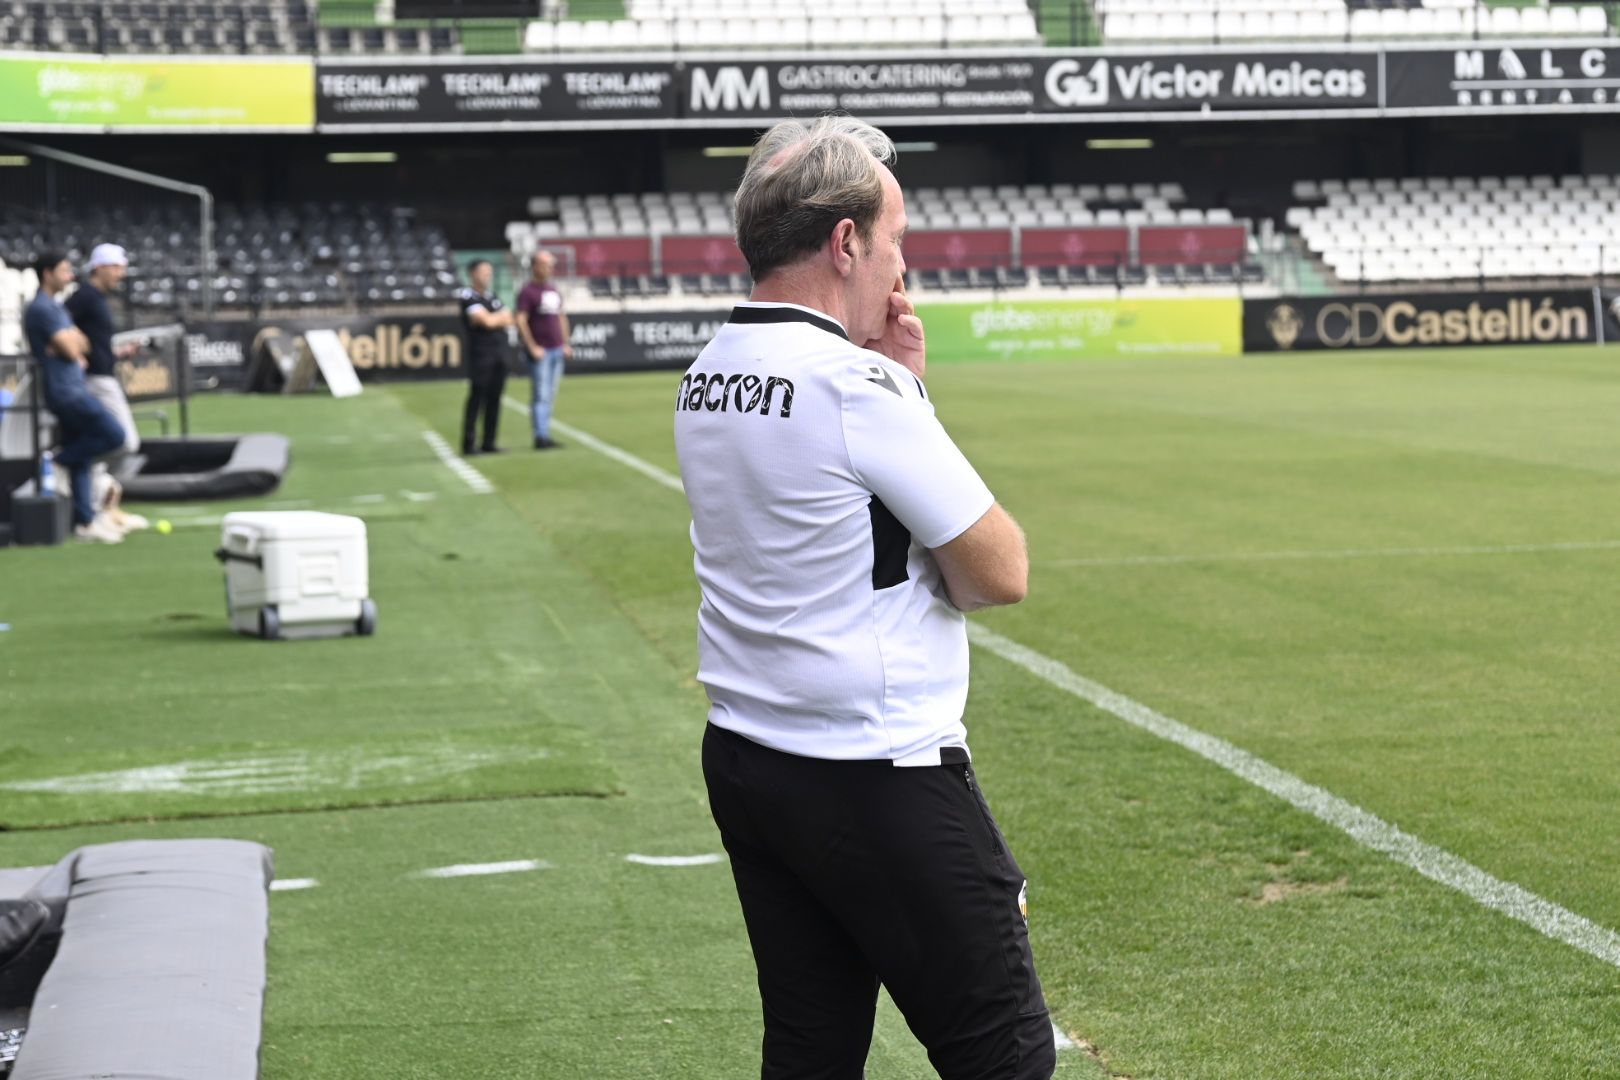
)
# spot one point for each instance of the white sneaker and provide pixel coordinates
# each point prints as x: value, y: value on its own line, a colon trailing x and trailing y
x: 126, y: 522
x: 99, y: 531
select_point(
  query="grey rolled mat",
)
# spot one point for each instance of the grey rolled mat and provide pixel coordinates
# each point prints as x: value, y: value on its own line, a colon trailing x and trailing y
x: 159, y: 973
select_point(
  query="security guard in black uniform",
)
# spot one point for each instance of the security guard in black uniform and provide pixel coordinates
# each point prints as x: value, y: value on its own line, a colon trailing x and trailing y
x: 485, y: 320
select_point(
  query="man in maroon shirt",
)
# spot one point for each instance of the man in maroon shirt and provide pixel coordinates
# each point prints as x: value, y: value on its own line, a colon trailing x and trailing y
x: 544, y: 329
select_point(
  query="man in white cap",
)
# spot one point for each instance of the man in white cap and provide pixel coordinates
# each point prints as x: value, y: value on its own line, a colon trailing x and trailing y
x: 91, y: 313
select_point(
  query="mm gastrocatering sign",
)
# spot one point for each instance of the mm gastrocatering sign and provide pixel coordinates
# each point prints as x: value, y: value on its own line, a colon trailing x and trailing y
x: 885, y: 87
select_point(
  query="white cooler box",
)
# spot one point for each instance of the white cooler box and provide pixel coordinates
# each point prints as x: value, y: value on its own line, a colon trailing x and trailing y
x: 296, y: 574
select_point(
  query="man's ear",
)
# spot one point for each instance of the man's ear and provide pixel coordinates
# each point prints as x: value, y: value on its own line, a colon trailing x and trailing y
x: 842, y: 245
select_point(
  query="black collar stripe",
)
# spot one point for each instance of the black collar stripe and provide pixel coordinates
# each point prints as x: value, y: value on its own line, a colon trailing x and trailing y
x: 757, y: 315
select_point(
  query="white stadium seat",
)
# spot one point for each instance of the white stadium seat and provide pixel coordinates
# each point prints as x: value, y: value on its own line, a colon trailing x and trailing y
x: 1446, y: 229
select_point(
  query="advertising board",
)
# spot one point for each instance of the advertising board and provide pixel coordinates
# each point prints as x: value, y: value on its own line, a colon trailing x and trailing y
x: 172, y: 93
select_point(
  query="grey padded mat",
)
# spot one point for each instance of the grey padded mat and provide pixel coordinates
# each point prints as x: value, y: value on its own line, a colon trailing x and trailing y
x: 160, y: 971
x: 13, y: 883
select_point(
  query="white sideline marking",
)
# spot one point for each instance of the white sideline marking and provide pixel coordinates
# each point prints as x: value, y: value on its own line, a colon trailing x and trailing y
x: 280, y: 771
x: 458, y: 465
x: 293, y: 884
x: 513, y: 866
x: 1432, y: 862
x: 180, y: 518
x: 623, y: 457
x: 1346, y: 553
x: 1059, y: 1039
x: 675, y: 860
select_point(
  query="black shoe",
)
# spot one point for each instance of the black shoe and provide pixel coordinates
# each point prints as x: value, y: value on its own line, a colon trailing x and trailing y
x: 490, y: 450
x: 542, y: 444
x: 468, y: 451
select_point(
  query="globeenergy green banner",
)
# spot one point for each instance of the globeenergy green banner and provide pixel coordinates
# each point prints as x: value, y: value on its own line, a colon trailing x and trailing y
x: 187, y: 94
x: 1083, y: 329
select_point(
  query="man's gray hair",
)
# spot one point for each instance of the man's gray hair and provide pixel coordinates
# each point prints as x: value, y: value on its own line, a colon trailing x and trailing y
x: 801, y: 180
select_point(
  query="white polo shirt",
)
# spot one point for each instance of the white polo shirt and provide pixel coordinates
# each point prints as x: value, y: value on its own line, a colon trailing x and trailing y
x: 818, y: 478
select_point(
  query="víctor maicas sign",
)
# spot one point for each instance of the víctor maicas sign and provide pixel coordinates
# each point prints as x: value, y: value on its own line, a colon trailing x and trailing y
x: 1181, y: 82
x: 1420, y: 320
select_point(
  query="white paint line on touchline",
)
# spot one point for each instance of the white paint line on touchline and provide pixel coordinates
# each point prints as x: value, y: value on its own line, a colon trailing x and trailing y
x: 675, y: 860
x: 511, y: 866
x: 295, y: 884
x: 1344, y: 553
x: 458, y: 465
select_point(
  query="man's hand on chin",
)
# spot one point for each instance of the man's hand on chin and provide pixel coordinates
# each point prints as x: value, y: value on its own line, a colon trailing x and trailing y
x: 902, y: 339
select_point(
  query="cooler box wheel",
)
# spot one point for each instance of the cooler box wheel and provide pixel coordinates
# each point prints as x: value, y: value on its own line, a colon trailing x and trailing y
x: 366, y: 624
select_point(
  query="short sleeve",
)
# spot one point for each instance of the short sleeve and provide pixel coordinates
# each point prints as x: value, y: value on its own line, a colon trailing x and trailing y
x: 49, y: 319
x: 526, y: 301
x: 899, y: 451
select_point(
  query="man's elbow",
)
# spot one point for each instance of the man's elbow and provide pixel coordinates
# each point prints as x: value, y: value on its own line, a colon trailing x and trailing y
x: 1001, y: 592
x: 1009, y: 592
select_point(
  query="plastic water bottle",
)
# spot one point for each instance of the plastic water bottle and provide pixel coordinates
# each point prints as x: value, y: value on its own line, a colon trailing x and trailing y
x: 47, y: 475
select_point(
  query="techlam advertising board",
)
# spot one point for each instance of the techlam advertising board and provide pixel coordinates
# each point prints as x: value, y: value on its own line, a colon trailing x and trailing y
x: 473, y: 93
x: 1082, y: 329
x: 1422, y: 320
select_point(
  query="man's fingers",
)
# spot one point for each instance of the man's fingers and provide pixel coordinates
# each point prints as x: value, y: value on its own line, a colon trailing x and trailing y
x: 912, y: 325
x: 900, y: 304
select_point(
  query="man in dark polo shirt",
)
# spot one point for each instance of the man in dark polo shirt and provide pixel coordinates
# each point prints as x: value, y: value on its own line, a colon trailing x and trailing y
x: 485, y: 321
x: 93, y: 316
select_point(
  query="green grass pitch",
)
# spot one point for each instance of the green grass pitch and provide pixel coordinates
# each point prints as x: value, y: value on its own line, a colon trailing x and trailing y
x: 1396, y: 576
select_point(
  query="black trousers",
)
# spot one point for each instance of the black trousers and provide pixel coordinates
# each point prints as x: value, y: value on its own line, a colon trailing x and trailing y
x: 486, y: 382
x: 856, y: 873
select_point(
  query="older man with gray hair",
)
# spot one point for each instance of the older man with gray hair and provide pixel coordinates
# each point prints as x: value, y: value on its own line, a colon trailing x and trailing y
x: 839, y: 536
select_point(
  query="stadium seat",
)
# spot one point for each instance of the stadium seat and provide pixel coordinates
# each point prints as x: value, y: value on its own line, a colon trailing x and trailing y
x: 1493, y: 226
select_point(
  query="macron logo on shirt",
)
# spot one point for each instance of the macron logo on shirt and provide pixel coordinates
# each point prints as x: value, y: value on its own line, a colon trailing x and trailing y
x: 877, y: 375
x: 734, y: 393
